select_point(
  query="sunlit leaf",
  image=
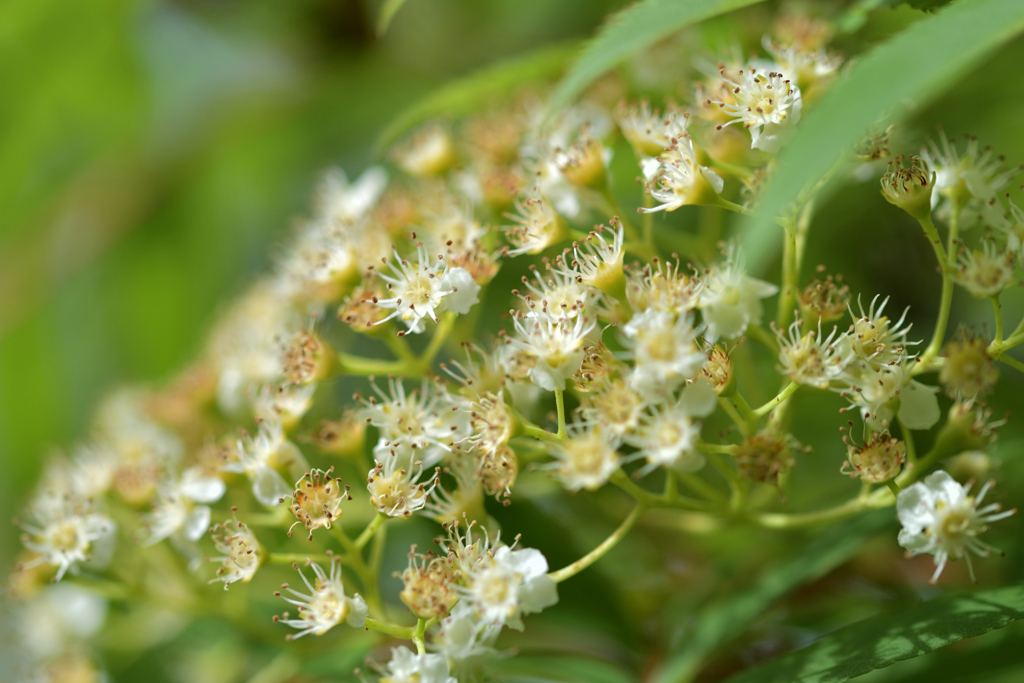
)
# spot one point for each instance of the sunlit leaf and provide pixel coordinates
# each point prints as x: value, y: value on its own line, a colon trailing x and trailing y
x: 888, y: 638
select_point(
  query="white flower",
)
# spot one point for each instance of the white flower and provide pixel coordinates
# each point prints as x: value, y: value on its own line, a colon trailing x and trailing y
x: 731, y: 301
x: 557, y: 346
x: 987, y: 271
x: 394, y: 484
x: 556, y: 294
x: 650, y: 131
x: 665, y: 351
x: 508, y: 584
x: 338, y: 200
x: 676, y: 179
x: 64, y: 532
x: 598, y: 262
x: 661, y: 287
x: 537, y: 227
x: 873, y: 389
x: 586, y: 459
x: 176, y: 511
x: 767, y: 104
x: 463, y: 637
x: 940, y: 518
x: 325, y: 606
x: 430, y: 151
x: 258, y: 458
x: 417, y: 291
x: 405, y: 667
x: 806, y: 66
x: 422, y: 419
x: 465, y: 292
x: 812, y: 360
x: 973, y: 178
x: 668, y: 435
x: 875, y: 338
x: 242, y: 556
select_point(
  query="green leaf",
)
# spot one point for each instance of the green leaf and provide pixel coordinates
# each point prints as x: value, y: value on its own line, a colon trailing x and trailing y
x: 878, y: 642
x: 897, y: 76
x: 722, y: 621
x: 490, y: 84
x: 629, y: 31
x: 387, y: 13
x: 566, y: 669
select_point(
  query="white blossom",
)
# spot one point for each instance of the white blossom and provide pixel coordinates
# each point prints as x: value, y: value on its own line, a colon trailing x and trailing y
x: 405, y: 667
x: 767, y: 104
x: 730, y: 300
x: 557, y: 346
x: 941, y: 518
x: 65, y: 533
x: 325, y: 605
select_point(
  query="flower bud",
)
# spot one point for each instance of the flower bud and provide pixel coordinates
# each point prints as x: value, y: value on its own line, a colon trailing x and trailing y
x: 764, y: 457
x: 909, y: 188
x: 877, y: 461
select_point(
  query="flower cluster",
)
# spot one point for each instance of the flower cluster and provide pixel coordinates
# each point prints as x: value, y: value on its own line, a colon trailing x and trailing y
x: 610, y: 365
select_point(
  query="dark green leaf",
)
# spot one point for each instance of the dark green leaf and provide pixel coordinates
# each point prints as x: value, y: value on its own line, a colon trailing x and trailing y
x: 722, y: 621
x: 567, y: 669
x: 491, y: 84
x: 904, y: 73
x: 888, y: 638
x: 631, y: 30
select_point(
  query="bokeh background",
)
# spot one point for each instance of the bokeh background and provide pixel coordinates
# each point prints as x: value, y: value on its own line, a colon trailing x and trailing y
x: 153, y: 152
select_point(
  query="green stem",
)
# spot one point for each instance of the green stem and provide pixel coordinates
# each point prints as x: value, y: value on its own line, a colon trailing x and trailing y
x: 599, y: 552
x: 764, y: 337
x: 908, y: 439
x: 789, y: 276
x: 1011, y: 361
x: 390, y: 629
x: 400, y: 347
x: 417, y: 636
x: 698, y: 485
x: 771, y: 405
x: 748, y: 413
x: 527, y: 428
x: 370, y: 530
x: 441, y: 332
x: 947, y: 261
x: 731, y: 411
x: 356, y: 365
x: 997, y: 311
x: 640, y: 495
x: 560, y: 405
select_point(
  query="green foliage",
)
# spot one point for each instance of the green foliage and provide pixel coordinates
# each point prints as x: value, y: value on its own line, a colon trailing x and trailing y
x: 723, y: 620
x: 888, y: 638
x: 631, y: 30
x: 899, y: 76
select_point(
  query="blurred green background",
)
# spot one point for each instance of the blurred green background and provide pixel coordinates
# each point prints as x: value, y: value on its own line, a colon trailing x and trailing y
x: 151, y: 153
